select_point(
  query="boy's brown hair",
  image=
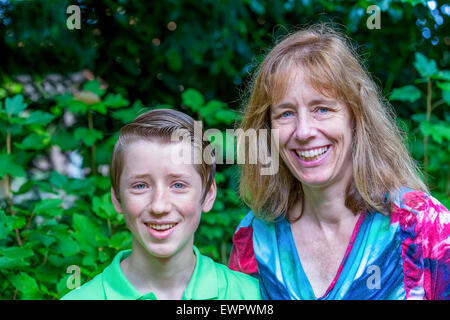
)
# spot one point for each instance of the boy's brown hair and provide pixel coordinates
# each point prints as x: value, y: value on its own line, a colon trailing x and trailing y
x: 161, y: 124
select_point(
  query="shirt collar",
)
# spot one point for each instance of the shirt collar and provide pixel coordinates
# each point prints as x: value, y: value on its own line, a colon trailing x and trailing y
x: 117, y: 286
x: 202, y: 286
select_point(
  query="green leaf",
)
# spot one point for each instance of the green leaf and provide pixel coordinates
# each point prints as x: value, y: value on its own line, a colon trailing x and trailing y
x: 115, y: 101
x: 63, y: 100
x: 193, y: 99
x: 34, y: 141
x: 129, y: 114
x: 40, y: 117
x: 8, y: 165
x: 442, y: 75
x: 5, y: 228
x: 26, y: 285
x: 226, y: 116
x: 407, y: 93
x: 438, y: 132
x: 99, y: 107
x: 414, y: 2
x: 48, y: 206
x: 67, y: 246
x: 59, y: 180
x: 85, y: 232
x: 81, y: 187
x: 76, y: 106
x: 41, y: 238
x: 14, y: 105
x: 87, y: 136
x: 426, y: 67
x: 64, y: 140
x: 16, y: 222
x: 103, y: 207
x: 120, y: 240
x: 257, y: 7
x: 14, y: 257
x: 3, y: 94
x: 209, y: 110
x: 446, y: 97
x: 94, y: 86
x: 445, y: 87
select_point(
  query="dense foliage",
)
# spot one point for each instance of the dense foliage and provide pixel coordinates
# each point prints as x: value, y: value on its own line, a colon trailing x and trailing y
x: 196, y: 56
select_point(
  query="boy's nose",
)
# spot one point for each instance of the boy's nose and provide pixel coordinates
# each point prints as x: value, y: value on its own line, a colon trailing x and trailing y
x: 160, y: 203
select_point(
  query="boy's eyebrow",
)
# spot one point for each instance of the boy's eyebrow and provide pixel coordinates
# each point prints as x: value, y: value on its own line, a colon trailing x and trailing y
x: 171, y: 175
x: 143, y: 175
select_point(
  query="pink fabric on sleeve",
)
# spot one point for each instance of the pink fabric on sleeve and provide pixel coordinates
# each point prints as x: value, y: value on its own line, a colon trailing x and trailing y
x: 242, y: 257
x: 425, y: 225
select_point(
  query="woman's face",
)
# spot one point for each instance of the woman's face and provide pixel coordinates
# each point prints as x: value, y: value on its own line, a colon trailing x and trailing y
x: 315, y: 135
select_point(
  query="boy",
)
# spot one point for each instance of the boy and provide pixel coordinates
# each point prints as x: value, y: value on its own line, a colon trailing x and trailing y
x: 162, y: 199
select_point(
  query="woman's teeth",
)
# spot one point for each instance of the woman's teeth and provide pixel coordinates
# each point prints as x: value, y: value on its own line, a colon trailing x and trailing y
x: 312, y: 154
x: 161, y: 227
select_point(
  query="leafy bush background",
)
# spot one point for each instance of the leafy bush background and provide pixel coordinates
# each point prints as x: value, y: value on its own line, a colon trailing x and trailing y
x: 201, y: 64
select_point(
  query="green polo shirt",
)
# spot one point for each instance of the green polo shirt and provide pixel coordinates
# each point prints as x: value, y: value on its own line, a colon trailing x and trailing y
x: 209, y: 281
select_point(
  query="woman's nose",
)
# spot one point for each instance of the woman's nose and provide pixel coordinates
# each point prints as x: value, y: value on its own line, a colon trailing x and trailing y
x: 305, y: 128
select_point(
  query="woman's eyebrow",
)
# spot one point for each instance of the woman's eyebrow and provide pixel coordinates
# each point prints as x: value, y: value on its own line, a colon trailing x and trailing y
x: 322, y: 101
x: 283, y: 105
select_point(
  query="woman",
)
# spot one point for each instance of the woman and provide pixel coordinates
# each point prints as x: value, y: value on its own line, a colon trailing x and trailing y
x: 347, y: 215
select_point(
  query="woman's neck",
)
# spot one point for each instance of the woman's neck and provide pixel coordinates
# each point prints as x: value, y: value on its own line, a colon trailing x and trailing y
x: 167, y: 278
x: 325, y: 206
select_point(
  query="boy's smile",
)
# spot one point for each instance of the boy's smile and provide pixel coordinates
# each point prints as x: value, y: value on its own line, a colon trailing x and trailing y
x: 160, y: 197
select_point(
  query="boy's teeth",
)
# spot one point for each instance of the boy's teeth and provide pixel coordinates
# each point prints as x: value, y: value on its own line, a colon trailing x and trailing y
x: 161, y: 226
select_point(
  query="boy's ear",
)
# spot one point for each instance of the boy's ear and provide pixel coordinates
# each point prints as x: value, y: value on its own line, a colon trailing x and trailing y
x: 210, y: 197
x: 115, y: 201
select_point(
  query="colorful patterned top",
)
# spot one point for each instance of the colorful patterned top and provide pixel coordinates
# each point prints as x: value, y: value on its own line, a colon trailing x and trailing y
x: 403, y: 256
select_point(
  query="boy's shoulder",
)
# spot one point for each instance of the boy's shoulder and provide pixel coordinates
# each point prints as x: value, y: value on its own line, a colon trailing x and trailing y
x: 236, y: 285
x: 92, y: 290
x: 110, y: 284
x: 231, y: 285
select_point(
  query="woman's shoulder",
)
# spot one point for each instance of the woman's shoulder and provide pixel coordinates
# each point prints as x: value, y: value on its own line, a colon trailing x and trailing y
x: 418, y: 207
x: 424, y: 225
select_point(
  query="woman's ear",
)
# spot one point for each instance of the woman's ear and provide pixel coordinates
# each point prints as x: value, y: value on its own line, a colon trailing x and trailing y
x: 115, y: 201
x: 210, y: 197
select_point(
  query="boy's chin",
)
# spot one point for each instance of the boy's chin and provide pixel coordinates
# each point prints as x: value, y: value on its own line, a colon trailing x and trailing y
x: 167, y: 250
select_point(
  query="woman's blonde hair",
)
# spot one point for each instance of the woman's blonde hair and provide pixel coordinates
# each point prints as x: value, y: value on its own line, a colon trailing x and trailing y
x: 381, y: 163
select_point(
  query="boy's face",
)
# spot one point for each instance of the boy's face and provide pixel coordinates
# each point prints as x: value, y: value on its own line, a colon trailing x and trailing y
x: 161, y: 198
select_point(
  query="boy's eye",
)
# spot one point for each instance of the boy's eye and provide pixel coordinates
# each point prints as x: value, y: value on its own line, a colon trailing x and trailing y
x: 140, y: 186
x: 178, y: 185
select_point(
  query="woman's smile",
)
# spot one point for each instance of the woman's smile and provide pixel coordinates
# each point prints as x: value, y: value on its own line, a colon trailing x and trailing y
x: 313, y: 156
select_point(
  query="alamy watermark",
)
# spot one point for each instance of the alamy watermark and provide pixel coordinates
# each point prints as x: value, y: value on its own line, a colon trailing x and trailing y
x: 74, y: 20
x: 74, y: 280
x: 252, y: 147
x: 374, y: 20
x: 374, y: 280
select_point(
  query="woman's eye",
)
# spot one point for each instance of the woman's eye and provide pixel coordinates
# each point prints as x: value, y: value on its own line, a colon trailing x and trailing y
x: 323, y: 110
x: 286, y: 114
